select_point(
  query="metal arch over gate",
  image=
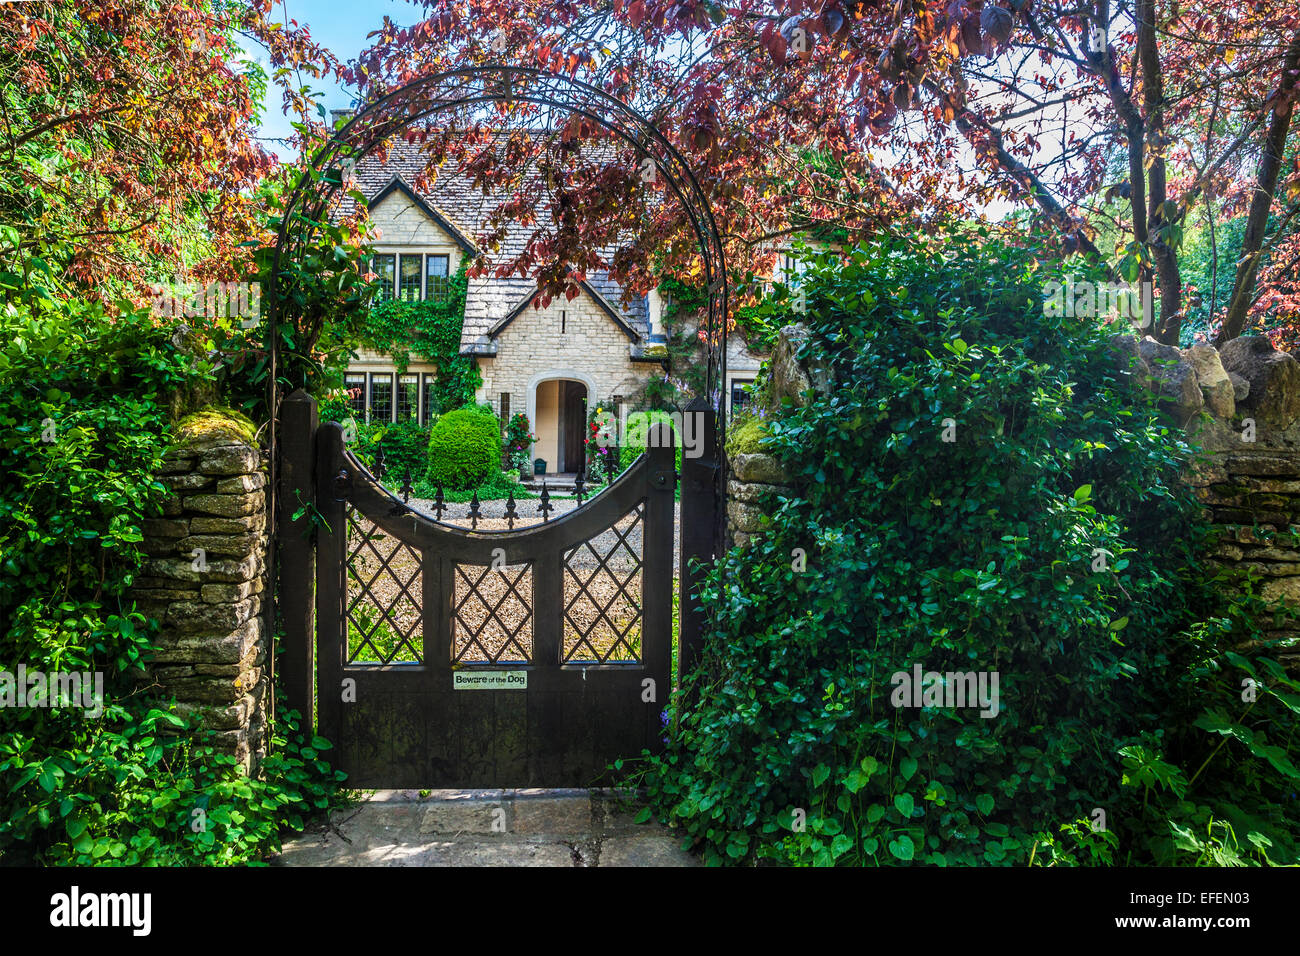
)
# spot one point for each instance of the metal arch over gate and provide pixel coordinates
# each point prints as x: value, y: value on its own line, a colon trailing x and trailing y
x: 406, y: 724
x: 320, y: 185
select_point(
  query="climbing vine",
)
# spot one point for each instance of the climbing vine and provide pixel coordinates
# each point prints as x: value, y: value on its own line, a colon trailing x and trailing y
x: 684, y: 308
x: 430, y: 329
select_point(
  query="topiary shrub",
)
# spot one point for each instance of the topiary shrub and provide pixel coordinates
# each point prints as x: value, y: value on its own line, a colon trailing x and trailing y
x: 986, y: 492
x: 464, y: 448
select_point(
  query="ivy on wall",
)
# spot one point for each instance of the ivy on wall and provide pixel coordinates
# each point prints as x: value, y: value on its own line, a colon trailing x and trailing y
x: 429, y: 329
x: 685, y: 307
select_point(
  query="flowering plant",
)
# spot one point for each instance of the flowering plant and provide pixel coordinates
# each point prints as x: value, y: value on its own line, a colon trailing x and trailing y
x: 518, y: 440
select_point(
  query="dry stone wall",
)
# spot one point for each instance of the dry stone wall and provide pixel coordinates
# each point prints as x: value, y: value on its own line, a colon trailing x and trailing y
x: 1248, y: 474
x: 205, y: 582
x: 750, y: 473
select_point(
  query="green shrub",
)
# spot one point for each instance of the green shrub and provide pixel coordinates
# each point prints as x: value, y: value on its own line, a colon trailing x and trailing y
x: 85, y: 414
x: 464, y: 448
x: 960, y: 484
x: 405, y: 445
x: 499, y: 484
x: 639, y: 425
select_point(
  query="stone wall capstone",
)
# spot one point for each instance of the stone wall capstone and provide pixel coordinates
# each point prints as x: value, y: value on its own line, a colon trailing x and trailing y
x: 205, y: 582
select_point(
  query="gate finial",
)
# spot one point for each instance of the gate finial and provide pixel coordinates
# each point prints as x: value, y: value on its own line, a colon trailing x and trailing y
x: 544, y: 509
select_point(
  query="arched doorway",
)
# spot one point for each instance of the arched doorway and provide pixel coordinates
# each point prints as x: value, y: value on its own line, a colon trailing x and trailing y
x: 557, y: 409
x: 561, y: 418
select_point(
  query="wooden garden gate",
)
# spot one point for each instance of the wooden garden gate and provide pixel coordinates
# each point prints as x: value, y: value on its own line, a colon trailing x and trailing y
x: 486, y: 658
x: 459, y: 658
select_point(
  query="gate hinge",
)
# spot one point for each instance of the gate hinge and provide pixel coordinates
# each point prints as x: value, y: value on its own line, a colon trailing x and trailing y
x: 342, y: 485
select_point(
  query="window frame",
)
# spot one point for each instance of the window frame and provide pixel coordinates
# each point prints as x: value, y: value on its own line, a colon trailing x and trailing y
x: 387, y: 287
x: 404, y: 379
x: 350, y: 380
x: 429, y: 258
x: 742, y: 384
x: 402, y: 258
x: 426, y: 393
x: 370, y: 396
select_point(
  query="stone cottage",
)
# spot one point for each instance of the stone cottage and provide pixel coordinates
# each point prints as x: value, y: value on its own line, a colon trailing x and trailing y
x: 548, y: 363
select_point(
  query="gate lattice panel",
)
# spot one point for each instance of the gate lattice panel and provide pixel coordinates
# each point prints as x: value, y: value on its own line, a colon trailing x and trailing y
x: 450, y: 657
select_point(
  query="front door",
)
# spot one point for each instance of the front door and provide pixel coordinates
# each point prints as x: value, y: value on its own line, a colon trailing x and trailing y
x: 573, y: 426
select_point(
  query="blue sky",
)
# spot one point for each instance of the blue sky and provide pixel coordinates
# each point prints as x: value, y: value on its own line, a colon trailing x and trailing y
x: 341, y: 27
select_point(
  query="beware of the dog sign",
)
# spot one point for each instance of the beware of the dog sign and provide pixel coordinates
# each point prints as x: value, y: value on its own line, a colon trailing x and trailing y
x: 489, y: 680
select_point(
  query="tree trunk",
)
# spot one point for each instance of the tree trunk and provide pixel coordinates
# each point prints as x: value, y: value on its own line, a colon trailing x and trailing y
x: 1261, y: 202
x: 1161, y: 216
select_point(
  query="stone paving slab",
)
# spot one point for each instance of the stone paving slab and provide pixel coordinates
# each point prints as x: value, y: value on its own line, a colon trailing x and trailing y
x: 487, y: 828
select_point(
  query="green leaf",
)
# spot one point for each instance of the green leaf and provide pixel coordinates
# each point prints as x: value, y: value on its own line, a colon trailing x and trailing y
x: 904, y: 804
x: 841, y: 845
x: 902, y: 848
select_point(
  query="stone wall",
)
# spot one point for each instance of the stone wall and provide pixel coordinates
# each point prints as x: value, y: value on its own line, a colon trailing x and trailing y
x: 750, y: 472
x: 206, y: 582
x: 1239, y: 405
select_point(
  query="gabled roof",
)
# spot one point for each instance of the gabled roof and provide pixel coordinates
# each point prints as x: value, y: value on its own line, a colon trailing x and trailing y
x: 599, y: 299
x: 453, y: 202
x: 399, y: 186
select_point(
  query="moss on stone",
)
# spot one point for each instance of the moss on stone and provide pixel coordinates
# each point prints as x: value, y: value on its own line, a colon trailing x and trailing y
x: 747, y: 437
x: 213, y: 424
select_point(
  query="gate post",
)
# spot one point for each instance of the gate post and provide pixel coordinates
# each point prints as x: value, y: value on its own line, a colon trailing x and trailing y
x: 701, y: 487
x: 296, y: 553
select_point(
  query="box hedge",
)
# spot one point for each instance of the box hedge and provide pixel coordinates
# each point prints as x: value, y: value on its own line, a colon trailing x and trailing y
x: 464, y: 448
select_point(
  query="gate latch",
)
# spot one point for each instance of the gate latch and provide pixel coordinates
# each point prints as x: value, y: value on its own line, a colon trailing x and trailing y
x: 342, y: 485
